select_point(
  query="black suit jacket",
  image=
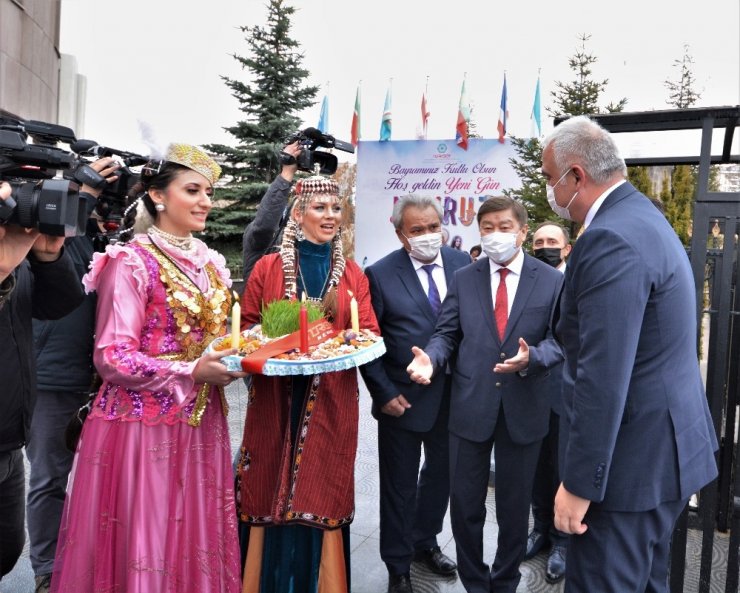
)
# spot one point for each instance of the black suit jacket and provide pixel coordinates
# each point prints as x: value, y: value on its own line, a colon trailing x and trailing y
x: 406, y: 319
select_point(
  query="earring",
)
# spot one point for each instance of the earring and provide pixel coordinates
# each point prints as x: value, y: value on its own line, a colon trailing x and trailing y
x: 299, y: 236
x: 159, y: 207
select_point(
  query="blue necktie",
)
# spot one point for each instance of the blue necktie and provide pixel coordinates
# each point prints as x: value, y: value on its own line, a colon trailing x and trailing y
x: 433, y: 294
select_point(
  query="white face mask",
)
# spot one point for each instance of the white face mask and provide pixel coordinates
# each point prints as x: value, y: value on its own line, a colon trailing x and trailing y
x: 499, y: 247
x: 425, y: 247
x: 561, y: 211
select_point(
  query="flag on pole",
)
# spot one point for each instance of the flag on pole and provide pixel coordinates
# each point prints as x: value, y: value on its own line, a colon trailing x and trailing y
x: 463, y: 119
x: 503, y: 114
x: 355, y: 133
x: 425, y: 113
x: 324, y: 117
x: 536, y: 117
x: 385, y: 123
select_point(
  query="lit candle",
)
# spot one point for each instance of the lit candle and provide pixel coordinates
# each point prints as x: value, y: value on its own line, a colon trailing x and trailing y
x: 303, y: 324
x: 236, y: 321
x: 354, y: 314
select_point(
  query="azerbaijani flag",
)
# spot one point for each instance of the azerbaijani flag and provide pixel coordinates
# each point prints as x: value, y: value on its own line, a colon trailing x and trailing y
x: 355, y: 133
x: 385, y: 122
x: 463, y: 119
x: 324, y: 117
x: 503, y: 114
x: 536, y: 117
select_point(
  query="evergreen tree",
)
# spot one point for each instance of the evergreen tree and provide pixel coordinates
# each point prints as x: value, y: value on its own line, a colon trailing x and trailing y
x: 579, y: 97
x: 679, y: 203
x: 272, y: 94
x: 640, y: 178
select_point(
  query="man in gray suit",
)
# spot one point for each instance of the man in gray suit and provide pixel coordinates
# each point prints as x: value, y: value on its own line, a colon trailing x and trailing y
x: 407, y: 288
x: 496, y: 321
x: 636, y: 438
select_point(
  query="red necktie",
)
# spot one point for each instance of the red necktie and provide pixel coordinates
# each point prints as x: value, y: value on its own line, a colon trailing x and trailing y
x: 501, y: 308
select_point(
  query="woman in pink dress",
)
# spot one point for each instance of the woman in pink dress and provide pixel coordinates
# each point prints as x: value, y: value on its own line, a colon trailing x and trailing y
x: 151, y: 501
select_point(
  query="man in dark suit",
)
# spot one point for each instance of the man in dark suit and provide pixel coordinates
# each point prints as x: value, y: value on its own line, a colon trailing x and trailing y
x: 496, y: 320
x: 407, y: 288
x: 636, y: 437
x: 550, y: 244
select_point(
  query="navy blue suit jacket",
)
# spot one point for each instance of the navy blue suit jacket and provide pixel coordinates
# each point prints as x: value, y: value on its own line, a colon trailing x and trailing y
x: 467, y: 326
x: 635, y: 429
x: 406, y: 319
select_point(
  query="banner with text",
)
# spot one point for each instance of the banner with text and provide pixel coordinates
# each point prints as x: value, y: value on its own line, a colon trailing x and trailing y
x: 459, y: 179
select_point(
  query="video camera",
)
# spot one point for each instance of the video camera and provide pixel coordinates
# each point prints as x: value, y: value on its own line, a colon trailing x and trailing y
x: 51, y: 205
x: 310, y: 140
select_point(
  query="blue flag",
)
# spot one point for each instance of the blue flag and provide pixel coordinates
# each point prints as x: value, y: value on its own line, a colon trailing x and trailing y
x: 324, y: 117
x: 385, y: 123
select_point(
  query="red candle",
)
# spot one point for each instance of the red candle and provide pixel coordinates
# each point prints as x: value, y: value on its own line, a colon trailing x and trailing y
x: 303, y: 324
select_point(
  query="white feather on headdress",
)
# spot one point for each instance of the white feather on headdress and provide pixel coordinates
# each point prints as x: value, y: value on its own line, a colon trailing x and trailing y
x: 157, y: 150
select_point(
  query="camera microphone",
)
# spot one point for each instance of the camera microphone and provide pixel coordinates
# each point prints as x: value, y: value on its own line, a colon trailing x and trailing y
x: 91, y: 148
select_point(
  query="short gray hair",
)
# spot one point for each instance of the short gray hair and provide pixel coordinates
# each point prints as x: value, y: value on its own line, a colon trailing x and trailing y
x: 580, y: 140
x: 419, y: 201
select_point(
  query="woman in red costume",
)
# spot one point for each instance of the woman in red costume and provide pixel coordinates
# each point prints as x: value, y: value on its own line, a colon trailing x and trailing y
x: 296, y: 470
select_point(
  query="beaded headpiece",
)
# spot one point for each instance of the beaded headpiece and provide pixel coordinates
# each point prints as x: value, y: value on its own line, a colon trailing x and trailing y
x: 188, y: 156
x: 316, y: 187
x: 194, y: 158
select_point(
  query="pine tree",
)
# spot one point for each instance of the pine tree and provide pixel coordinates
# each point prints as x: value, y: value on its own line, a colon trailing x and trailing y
x: 679, y: 202
x: 579, y: 97
x: 273, y: 93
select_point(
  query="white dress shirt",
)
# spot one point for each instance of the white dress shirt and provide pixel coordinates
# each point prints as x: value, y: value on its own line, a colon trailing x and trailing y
x: 512, y: 278
x: 438, y: 273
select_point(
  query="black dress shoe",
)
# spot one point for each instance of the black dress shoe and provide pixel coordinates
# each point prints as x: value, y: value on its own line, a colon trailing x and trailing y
x: 555, y: 569
x: 399, y: 583
x: 536, y: 540
x: 436, y: 561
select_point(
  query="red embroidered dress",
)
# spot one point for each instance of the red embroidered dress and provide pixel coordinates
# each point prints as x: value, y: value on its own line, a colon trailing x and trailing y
x: 311, y: 483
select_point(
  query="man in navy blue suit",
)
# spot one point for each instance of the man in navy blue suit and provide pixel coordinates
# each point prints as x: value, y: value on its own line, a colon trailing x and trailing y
x: 407, y: 288
x: 636, y: 438
x: 496, y: 321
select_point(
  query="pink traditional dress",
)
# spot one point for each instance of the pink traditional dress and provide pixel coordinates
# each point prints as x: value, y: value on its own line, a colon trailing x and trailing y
x: 150, y: 508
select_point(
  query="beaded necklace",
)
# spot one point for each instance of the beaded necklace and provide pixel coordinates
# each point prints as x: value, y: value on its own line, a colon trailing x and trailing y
x: 183, y: 243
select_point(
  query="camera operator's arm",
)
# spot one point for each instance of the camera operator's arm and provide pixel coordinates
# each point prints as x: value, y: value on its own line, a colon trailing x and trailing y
x: 259, y: 234
x: 57, y: 289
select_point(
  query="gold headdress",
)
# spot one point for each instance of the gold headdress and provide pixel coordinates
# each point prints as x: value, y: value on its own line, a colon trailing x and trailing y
x: 194, y: 158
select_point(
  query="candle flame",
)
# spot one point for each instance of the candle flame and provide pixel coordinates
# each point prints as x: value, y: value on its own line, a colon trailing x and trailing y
x: 303, y: 297
x: 236, y: 296
x: 349, y: 292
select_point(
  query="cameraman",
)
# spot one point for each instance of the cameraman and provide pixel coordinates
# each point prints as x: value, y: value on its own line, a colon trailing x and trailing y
x: 37, y: 279
x: 261, y: 233
x: 64, y: 375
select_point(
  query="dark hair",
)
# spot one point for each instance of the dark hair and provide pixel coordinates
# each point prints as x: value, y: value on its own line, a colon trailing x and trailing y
x: 499, y: 203
x: 456, y: 242
x: 477, y: 249
x: 160, y: 180
x: 566, y: 232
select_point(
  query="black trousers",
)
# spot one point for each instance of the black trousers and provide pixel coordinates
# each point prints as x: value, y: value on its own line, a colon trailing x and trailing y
x: 470, y: 464
x: 413, y: 503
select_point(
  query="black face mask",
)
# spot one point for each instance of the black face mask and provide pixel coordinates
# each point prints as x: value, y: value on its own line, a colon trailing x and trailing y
x: 549, y: 255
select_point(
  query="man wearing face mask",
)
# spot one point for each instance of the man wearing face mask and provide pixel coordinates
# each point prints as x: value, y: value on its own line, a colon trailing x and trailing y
x: 551, y: 243
x: 496, y: 321
x: 637, y: 438
x: 407, y: 288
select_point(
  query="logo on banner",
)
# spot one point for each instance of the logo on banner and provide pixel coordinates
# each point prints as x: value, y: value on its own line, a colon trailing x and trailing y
x: 442, y: 151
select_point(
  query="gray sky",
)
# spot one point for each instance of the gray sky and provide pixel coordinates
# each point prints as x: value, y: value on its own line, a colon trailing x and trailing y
x: 161, y: 60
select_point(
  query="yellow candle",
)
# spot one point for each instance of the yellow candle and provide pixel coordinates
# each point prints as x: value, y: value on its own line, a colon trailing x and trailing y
x: 236, y: 320
x: 354, y: 315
